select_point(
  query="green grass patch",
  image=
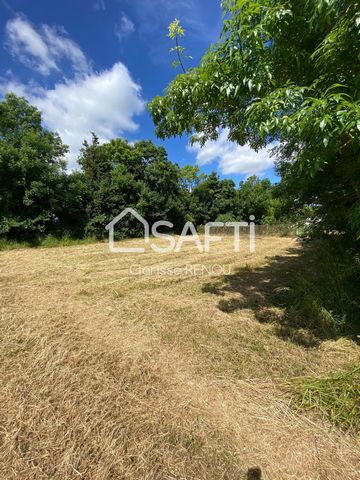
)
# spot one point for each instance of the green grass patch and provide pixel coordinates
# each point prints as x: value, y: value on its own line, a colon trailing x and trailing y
x: 46, y: 242
x: 337, y: 397
x: 321, y: 291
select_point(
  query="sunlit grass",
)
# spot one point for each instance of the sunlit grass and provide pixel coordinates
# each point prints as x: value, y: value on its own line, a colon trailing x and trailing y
x: 149, y: 376
x: 336, y: 396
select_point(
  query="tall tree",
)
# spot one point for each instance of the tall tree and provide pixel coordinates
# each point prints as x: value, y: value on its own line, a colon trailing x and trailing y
x: 255, y: 197
x: 31, y: 172
x: 190, y: 177
x: 285, y: 71
x: 211, y: 198
x: 120, y: 175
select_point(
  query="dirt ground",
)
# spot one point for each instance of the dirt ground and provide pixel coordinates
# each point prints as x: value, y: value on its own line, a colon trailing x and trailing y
x: 171, y: 374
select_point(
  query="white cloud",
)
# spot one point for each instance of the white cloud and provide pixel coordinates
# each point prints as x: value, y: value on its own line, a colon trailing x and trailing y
x: 42, y: 49
x: 28, y: 46
x: 124, y: 28
x: 103, y: 102
x: 60, y: 46
x: 233, y: 158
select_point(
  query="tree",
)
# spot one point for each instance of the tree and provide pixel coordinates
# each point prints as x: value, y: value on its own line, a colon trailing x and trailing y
x: 211, y: 198
x: 75, y: 196
x: 32, y: 172
x: 120, y: 175
x: 255, y: 197
x: 96, y: 168
x: 175, y: 32
x: 163, y: 193
x: 285, y: 71
x: 95, y: 164
x: 190, y: 177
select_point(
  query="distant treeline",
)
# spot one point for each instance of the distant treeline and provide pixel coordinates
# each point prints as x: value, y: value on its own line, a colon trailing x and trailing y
x: 39, y: 198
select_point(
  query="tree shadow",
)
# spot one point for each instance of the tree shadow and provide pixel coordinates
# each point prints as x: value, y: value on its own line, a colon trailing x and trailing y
x: 293, y: 292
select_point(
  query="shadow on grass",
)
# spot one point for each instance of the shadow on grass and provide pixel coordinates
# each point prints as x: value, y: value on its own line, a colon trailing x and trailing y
x: 309, y: 294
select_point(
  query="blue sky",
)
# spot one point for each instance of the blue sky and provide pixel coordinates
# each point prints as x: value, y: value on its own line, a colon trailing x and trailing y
x: 91, y: 65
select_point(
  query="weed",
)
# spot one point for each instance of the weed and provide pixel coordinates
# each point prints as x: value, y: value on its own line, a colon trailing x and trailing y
x: 336, y: 396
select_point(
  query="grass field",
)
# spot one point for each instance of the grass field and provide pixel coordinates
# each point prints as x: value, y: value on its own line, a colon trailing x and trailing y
x: 109, y: 375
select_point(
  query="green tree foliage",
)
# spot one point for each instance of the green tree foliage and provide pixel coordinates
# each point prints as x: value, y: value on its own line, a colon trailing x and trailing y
x: 38, y: 197
x: 119, y: 175
x: 190, y: 177
x: 215, y: 199
x: 31, y: 172
x: 211, y: 198
x: 286, y: 71
x: 75, y: 195
x: 255, y: 197
x: 176, y: 31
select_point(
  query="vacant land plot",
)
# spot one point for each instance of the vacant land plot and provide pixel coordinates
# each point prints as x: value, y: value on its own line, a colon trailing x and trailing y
x: 109, y: 375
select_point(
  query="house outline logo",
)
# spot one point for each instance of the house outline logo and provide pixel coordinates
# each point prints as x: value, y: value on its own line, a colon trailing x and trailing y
x: 184, y: 237
x: 111, y: 227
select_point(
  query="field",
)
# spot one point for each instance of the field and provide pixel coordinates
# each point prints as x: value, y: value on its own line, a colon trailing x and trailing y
x: 110, y: 375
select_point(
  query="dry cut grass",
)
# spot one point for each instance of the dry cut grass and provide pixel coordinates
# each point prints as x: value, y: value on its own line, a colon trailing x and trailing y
x: 108, y: 375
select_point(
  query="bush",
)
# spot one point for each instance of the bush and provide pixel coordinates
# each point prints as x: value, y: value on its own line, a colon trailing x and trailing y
x: 325, y: 296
